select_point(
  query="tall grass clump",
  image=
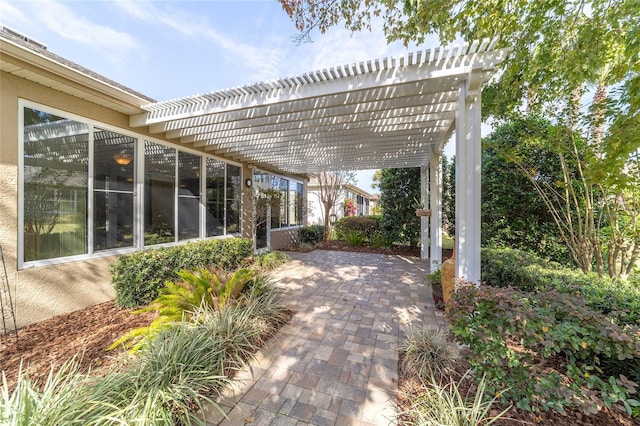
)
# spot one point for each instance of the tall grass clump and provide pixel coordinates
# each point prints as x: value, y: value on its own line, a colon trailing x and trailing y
x: 444, y: 404
x: 428, y: 353
x: 271, y: 260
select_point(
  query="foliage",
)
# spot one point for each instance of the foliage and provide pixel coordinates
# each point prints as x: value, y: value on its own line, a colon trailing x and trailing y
x: 547, y: 349
x: 449, y: 195
x: 354, y: 238
x: 169, y: 381
x: 350, y: 208
x: 440, y: 404
x: 399, y: 198
x: 312, y: 234
x: 367, y: 226
x: 428, y: 354
x: 502, y: 267
x: 331, y: 188
x: 138, y: 277
x: 178, y: 300
x: 513, y: 212
x: 270, y: 260
x: 435, y: 276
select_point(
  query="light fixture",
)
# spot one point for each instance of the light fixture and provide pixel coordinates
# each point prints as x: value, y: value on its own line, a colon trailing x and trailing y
x: 123, y: 158
x: 248, y: 182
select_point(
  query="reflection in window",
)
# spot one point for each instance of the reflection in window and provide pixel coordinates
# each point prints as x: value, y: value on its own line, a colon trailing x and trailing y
x: 188, y: 196
x: 113, y: 190
x: 215, y: 197
x: 56, y: 158
x: 159, y: 193
x: 233, y: 199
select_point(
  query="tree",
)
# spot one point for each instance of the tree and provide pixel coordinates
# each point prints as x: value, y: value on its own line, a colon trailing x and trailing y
x: 513, y: 212
x: 399, y: 198
x: 331, y: 188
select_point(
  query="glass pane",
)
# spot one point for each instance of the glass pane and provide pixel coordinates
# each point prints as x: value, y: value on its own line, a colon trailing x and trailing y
x: 113, y: 161
x: 234, y: 199
x: 159, y: 193
x: 56, y: 158
x: 284, y: 201
x: 215, y: 197
x: 188, y: 196
x: 114, y: 167
x: 113, y: 219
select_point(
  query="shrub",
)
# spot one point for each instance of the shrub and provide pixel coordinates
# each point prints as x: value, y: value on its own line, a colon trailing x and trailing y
x: 271, y: 260
x: 427, y: 354
x: 440, y: 404
x: 549, y: 349
x: 138, y: 277
x: 525, y: 271
x: 354, y: 238
x: 177, y: 301
x: 311, y: 234
x: 366, y: 226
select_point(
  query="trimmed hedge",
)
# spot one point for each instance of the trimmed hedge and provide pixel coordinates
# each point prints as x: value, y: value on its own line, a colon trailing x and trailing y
x: 312, y: 234
x: 138, y: 277
x: 502, y: 267
x: 366, y: 227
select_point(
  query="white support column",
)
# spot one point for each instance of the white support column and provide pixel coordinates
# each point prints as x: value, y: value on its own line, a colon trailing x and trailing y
x: 424, y: 220
x: 435, y: 204
x: 468, y: 175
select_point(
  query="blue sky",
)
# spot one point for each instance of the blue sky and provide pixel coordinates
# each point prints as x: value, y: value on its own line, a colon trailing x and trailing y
x: 170, y: 49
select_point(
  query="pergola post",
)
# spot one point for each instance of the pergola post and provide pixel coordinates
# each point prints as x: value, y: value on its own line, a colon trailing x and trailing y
x: 468, y: 175
x: 435, y: 204
x: 424, y: 220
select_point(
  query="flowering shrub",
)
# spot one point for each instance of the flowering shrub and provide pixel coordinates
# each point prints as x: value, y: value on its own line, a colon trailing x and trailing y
x: 350, y: 208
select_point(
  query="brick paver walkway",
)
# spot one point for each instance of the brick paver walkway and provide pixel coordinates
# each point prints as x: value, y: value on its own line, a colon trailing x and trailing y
x: 335, y: 363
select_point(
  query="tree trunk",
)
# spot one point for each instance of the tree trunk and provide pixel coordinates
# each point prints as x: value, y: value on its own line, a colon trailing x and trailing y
x: 327, y: 225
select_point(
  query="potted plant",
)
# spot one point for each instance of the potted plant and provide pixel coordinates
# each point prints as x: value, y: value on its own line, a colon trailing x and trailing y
x: 435, y: 278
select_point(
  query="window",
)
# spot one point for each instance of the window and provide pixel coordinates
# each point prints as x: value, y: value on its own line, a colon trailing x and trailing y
x: 55, y: 175
x: 233, y: 198
x: 113, y: 183
x: 188, y: 195
x: 159, y: 193
x: 215, y: 197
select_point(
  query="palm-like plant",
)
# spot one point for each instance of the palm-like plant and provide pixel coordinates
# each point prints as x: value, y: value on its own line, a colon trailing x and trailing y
x: 214, y: 288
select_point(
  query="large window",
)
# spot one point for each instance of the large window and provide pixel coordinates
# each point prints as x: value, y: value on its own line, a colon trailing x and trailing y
x: 286, y: 205
x: 56, y: 159
x: 113, y: 183
x: 85, y: 190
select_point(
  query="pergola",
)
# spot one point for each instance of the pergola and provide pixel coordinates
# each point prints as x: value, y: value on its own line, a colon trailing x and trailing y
x: 389, y: 113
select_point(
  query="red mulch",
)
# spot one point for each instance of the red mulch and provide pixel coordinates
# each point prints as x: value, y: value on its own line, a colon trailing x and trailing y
x: 85, y: 334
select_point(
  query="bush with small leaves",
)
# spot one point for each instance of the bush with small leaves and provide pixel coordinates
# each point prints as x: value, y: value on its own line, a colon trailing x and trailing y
x: 311, y: 234
x: 138, y: 277
x: 549, y: 349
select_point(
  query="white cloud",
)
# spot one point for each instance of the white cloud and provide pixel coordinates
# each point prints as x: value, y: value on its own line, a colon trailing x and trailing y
x: 261, y: 62
x: 61, y: 20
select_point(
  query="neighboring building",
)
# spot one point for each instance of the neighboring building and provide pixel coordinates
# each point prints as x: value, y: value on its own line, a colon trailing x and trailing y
x: 81, y: 185
x: 352, y: 201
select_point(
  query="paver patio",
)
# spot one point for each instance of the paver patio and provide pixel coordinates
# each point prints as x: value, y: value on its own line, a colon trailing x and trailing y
x: 335, y: 362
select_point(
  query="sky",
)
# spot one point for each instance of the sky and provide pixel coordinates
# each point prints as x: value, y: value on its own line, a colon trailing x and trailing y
x: 172, y: 49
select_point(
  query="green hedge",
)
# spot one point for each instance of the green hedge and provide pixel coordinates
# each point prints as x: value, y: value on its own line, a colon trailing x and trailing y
x: 502, y: 267
x: 138, y: 277
x: 312, y: 234
x: 366, y: 227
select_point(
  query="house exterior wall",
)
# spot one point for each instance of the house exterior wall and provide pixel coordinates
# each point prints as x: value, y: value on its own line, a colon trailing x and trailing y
x: 316, y: 209
x: 42, y: 292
